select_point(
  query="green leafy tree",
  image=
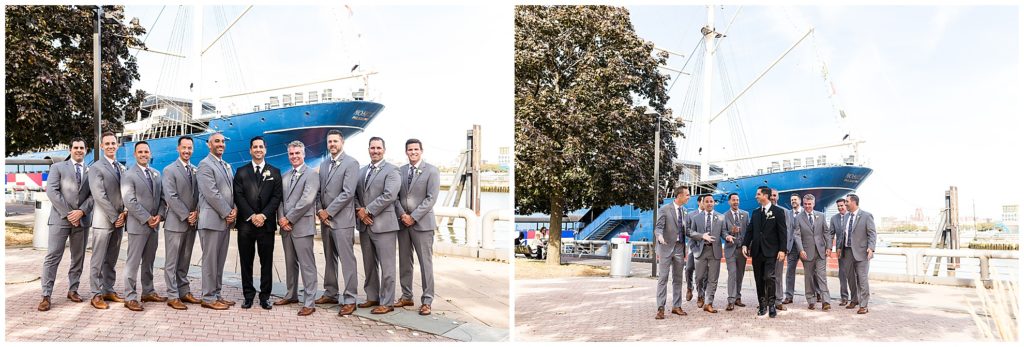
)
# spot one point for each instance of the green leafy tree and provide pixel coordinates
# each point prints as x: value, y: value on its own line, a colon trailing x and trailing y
x: 49, y: 61
x: 583, y: 139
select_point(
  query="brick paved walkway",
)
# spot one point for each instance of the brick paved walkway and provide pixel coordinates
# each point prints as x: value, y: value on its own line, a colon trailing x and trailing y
x: 478, y: 301
x: 622, y: 309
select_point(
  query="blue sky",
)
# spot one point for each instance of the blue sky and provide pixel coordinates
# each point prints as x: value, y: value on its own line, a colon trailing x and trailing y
x: 933, y: 90
x: 441, y: 68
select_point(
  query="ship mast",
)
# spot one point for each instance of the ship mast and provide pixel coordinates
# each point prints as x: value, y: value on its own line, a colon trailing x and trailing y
x: 196, y: 60
x: 709, y: 57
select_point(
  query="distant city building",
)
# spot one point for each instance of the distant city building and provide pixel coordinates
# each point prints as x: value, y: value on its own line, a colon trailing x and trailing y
x: 918, y: 215
x: 1010, y: 217
x: 505, y: 157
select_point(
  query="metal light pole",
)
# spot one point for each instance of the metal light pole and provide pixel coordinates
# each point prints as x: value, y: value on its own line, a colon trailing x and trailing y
x: 96, y: 82
x: 657, y: 179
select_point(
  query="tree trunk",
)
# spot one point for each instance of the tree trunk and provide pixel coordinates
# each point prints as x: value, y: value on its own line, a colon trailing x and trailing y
x: 555, y: 230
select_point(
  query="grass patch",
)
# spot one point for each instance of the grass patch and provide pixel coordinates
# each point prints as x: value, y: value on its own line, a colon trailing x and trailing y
x: 17, y: 235
x: 538, y: 269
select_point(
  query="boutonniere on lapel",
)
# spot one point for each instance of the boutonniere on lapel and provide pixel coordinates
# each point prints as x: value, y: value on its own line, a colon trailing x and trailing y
x: 121, y: 168
x: 768, y: 215
x: 298, y: 174
x: 267, y: 177
x: 417, y: 171
x: 375, y: 169
x: 154, y: 172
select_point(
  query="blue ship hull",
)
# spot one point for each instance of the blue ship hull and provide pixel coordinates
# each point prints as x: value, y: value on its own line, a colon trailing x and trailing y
x: 826, y: 184
x: 307, y: 123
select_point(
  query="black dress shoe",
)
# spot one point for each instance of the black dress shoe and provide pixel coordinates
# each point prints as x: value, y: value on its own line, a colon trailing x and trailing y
x: 247, y: 303
x: 772, y: 312
x: 265, y: 304
x: 761, y: 310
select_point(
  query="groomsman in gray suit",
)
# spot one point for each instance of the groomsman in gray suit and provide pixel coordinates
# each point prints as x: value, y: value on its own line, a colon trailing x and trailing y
x: 859, y: 245
x: 690, y: 263
x: 217, y: 215
x: 297, y: 222
x: 142, y: 192
x: 339, y: 177
x: 735, y: 262
x: 421, y: 183
x: 670, y: 232
x: 378, y: 228
x: 181, y: 195
x: 706, y: 245
x: 780, y: 288
x: 68, y: 191
x: 835, y: 228
x: 108, y: 221
x: 811, y: 232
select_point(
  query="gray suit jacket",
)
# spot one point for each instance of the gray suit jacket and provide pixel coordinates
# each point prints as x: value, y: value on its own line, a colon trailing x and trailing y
x: 142, y: 199
x: 105, y: 188
x: 299, y: 201
x: 791, y: 243
x: 718, y: 232
x: 337, y: 192
x: 835, y: 228
x: 864, y: 235
x: 814, y: 239
x: 378, y: 197
x: 216, y: 198
x: 737, y: 242
x: 66, y: 194
x: 181, y: 195
x: 418, y: 198
x: 668, y: 223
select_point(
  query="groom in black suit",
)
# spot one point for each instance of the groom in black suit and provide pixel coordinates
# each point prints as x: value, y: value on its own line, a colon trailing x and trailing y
x: 258, y: 194
x: 763, y: 243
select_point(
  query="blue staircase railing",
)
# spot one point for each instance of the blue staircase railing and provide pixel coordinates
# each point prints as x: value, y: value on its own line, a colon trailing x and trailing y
x: 608, y: 221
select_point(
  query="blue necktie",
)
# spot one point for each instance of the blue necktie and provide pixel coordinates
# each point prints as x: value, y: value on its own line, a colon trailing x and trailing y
x: 78, y: 173
x: 412, y: 171
x: 150, y: 179
x: 369, y: 172
x: 117, y: 170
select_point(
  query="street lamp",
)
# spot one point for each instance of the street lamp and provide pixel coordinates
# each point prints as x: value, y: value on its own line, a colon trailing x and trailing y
x: 657, y: 195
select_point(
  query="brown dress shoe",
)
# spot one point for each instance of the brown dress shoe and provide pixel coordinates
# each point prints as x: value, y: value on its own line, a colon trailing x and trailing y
x: 188, y: 298
x: 425, y: 310
x: 689, y: 294
x: 825, y: 306
x: 153, y: 297
x: 216, y: 305
x: 226, y: 302
x: 787, y: 301
x: 810, y: 306
x: 326, y: 300
x: 740, y: 303
x: 97, y: 302
x: 347, y: 309
x: 368, y: 304
x: 780, y: 307
x: 382, y: 309
x: 844, y: 303
x: 133, y: 305
x: 44, y: 305
x: 177, y: 304
x: 305, y: 311
x: 730, y: 307
x: 710, y: 309
x: 285, y: 302
x: 404, y: 303
x: 113, y: 297
x: 74, y: 297
x: 852, y: 304
x: 661, y: 313
x: 862, y: 310
x: 700, y: 302
x: 678, y: 311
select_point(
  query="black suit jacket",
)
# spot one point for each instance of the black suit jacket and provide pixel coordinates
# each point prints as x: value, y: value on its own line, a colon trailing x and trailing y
x: 255, y: 194
x: 766, y: 237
